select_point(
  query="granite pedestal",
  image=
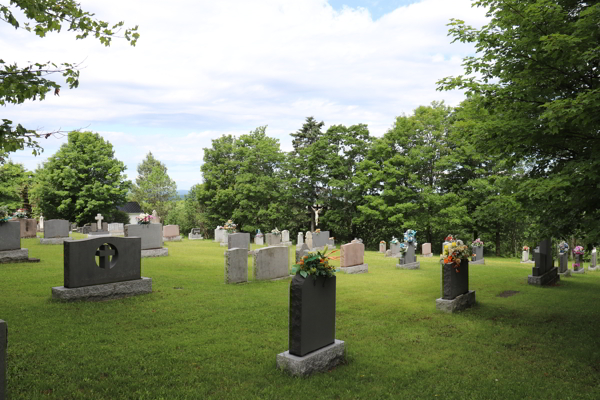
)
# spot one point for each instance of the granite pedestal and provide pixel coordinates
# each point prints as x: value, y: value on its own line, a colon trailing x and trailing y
x: 107, y: 291
x: 459, y: 303
x: 320, y: 360
x: 356, y: 269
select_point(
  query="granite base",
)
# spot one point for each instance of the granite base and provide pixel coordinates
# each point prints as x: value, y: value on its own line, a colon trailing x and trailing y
x: 528, y: 262
x: 565, y: 274
x: 459, y: 303
x: 415, y: 265
x: 579, y: 271
x: 195, y: 237
x: 478, y: 262
x: 318, y: 361
x: 286, y: 243
x: 548, y: 278
x: 594, y: 268
x: 55, y: 240
x: 223, y: 244
x: 356, y: 269
x: 16, y: 256
x: 106, y: 291
x: 162, y: 252
x: 427, y: 255
x: 172, y: 239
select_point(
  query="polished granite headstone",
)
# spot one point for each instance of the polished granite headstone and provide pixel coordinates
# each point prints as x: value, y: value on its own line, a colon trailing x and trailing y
x: 456, y: 295
x: 544, y: 273
x: 408, y: 260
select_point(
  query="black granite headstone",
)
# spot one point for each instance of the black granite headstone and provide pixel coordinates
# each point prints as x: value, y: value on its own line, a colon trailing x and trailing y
x: 542, y: 255
x: 562, y: 262
x: 312, y: 314
x: 102, y: 260
x: 455, y: 283
x: 478, y: 250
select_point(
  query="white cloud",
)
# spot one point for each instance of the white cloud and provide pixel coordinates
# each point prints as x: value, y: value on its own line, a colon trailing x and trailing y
x: 204, y: 68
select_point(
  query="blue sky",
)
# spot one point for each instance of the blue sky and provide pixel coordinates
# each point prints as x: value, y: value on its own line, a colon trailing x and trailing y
x: 203, y: 69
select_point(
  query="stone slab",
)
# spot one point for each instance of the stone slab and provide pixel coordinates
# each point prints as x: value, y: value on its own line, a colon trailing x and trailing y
x: 56, y: 228
x: 478, y: 262
x: 548, y: 278
x: 3, y: 346
x: 426, y: 250
x: 352, y: 254
x: 219, y: 235
x: 162, y: 252
x: 170, y: 231
x: 105, y: 291
x: 285, y: 236
x: 28, y: 227
x: 320, y: 239
x: 320, y: 360
x: 238, y: 241
x: 579, y: 271
x: 10, y: 235
x: 236, y: 265
x: 415, y: 265
x: 192, y: 236
x: 594, y: 268
x: 151, y: 234
x: 259, y: 240
x: 273, y: 239
x: 172, y: 239
x: 566, y: 274
x: 528, y: 262
x: 271, y: 263
x: 459, y: 303
x: 59, y: 240
x: 10, y: 256
x: 356, y: 269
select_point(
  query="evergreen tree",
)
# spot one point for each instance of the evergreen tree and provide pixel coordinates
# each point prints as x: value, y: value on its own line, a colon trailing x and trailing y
x: 153, y: 188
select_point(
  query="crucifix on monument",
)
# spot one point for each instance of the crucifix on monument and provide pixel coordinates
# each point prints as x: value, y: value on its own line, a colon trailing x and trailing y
x: 99, y: 218
x: 315, y: 222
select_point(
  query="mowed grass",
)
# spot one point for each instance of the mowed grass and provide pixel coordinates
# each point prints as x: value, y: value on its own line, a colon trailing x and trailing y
x: 196, y: 338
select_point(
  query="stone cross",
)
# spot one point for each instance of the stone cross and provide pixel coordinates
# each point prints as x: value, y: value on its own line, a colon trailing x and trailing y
x: 99, y: 218
x: 104, y: 253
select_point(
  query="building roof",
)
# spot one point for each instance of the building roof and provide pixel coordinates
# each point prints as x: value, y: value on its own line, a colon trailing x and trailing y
x: 130, y: 208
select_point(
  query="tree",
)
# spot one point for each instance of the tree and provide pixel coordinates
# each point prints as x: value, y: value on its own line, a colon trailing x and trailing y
x: 31, y: 82
x: 189, y: 214
x: 538, y: 73
x: 80, y: 180
x: 13, y: 181
x: 153, y: 189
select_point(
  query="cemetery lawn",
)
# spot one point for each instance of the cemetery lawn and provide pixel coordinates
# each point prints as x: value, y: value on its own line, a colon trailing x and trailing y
x: 196, y: 338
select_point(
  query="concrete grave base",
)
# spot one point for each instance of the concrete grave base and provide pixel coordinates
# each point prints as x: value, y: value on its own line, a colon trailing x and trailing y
x: 548, y: 278
x: 481, y: 262
x: 55, y: 240
x: 106, y: 291
x: 459, y: 303
x: 223, y: 244
x: 194, y: 237
x: 16, y: 256
x: 286, y: 243
x: 93, y: 235
x: 320, y: 360
x: 415, y: 265
x: 565, y: 274
x: 528, y: 262
x: 172, y: 239
x: 427, y: 255
x: 162, y: 252
x: 579, y: 271
x: 594, y: 268
x: 356, y: 269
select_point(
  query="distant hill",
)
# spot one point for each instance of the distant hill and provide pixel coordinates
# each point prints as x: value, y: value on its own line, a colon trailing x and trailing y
x: 182, y: 193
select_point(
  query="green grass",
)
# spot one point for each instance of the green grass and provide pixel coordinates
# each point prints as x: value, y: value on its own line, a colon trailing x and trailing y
x: 196, y: 338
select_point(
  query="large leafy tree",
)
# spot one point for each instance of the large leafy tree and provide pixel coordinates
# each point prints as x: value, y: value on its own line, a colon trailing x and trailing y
x: 13, y: 182
x: 153, y: 188
x: 19, y: 83
x: 537, y: 69
x: 80, y: 180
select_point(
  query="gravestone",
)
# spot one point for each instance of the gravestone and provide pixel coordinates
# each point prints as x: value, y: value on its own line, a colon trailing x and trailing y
x: 312, y: 343
x: 478, y: 258
x: 426, y: 250
x: 3, y: 346
x: 10, y: 244
x: 236, y: 265
x: 104, y: 226
x: 352, y: 260
x: 544, y: 273
x: 99, y: 218
x: 56, y: 232
x: 224, y: 240
x: 301, y: 251
x: 273, y: 239
x: 395, y: 249
x: 238, y: 241
x: 152, y: 239
x: 331, y: 243
x: 195, y: 234
x: 259, y: 240
x: 308, y: 238
x: 285, y: 238
x: 41, y: 224
x: 382, y: 247
x: 219, y: 235
x: 563, y: 265
x: 593, y: 266
x: 171, y: 233
x: 271, y: 263
x: 456, y: 295
x: 408, y: 260
x: 102, y: 268
x: 300, y: 238
x: 525, y: 256
x: 93, y: 228
x: 116, y: 228
x: 578, y: 259
x: 155, y: 218
x: 28, y: 228
x: 320, y: 240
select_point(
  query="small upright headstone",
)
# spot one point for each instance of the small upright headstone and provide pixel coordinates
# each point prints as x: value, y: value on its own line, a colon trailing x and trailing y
x: 236, y: 265
x: 309, y: 241
x: 273, y: 239
x: 41, y: 223
x: 478, y: 257
x: 219, y: 234
x: 578, y: 260
x: 238, y: 241
x: 525, y: 256
x: 10, y: 244
x: 382, y: 246
x: 426, y: 250
x: 28, y: 228
x: 195, y: 234
x: 259, y: 239
x: 56, y: 232
x: 456, y: 295
x: 271, y: 263
x: 320, y: 240
x: 352, y: 260
x: 593, y: 266
x: 301, y: 251
x: 155, y: 218
x: 408, y: 259
x: 116, y: 228
x: 300, y: 238
x: 331, y: 243
x: 394, y: 249
x: 285, y: 238
x: 152, y: 239
x: 171, y: 233
x: 544, y: 273
x: 105, y: 226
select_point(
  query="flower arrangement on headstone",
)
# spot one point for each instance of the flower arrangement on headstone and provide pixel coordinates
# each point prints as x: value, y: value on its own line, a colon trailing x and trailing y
x: 276, y: 231
x: 382, y: 246
x: 563, y: 256
x: 144, y: 219
x: 259, y: 233
x: 4, y: 214
x: 230, y: 226
x: 525, y: 255
x: 477, y: 248
x: 312, y: 343
x: 20, y: 213
x: 408, y: 259
x: 455, y: 277
x: 456, y: 253
x: 259, y: 238
x: 578, y: 259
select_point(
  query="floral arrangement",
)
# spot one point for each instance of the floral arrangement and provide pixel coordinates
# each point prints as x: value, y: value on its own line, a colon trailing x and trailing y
x: 410, y: 238
x: 316, y: 264
x: 449, y: 238
x: 4, y: 214
x: 403, y: 248
x: 316, y: 232
x: 578, y: 250
x: 525, y: 248
x: 563, y: 247
x: 259, y: 233
x: 382, y: 242
x: 219, y: 227
x: 455, y: 252
x: 477, y: 243
x: 144, y: 219
x: 394, y: 240
x: 20, y: 213
x: 575, y: 266
x: 229, y: 226
x: 276, y: 231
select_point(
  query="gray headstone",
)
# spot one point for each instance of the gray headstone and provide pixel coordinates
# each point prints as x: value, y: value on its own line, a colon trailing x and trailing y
x: 543, y: 258
x: 594, y: 259
x: 301, y: 251
x: 56, y: 228
x: 259, y: 240
x: 409, y: 257
x: 102, y: 260
x: 478, y: 251
x: 10, y: 235
x: 300, y: 238
x: 151, y: 234
x: 285, y: 236
x: 238, y: 241
x: 116, y: 227
x: 309, y: 241
x: 3, y: 346
x: 271, y: 263
x: 455, y: 283
x: 562, y: 263
x: 105, y: 226
x: 273, y: 239
x: 394, y: 248
x: 320, y: 239
x: 236, y: 265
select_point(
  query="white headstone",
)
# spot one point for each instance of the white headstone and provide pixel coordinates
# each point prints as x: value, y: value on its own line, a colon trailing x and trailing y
x: 525, y: 256
x: 309, y: 241
x: 300, y: 238
x: 41, y: 223
x: 99, y: 218
x: 285, y: 235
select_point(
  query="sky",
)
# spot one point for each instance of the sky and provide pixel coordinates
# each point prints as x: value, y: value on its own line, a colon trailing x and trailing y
x: 203, y: 68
